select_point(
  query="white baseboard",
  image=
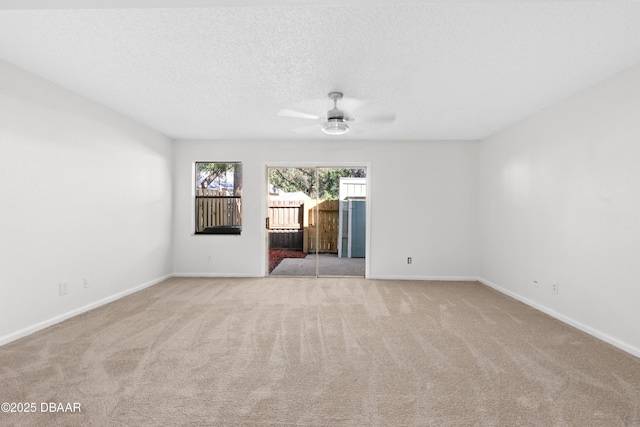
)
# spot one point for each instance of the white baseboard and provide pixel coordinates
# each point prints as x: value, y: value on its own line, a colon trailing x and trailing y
x: 428, y: 278
x: 568, y: 320
x: 57, y: 319
x: 234, y: 275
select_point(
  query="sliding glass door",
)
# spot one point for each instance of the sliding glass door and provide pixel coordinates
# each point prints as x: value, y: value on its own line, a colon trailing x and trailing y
x: 316, y: 221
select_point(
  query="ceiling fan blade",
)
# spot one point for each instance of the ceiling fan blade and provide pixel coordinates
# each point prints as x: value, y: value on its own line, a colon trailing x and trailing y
x: 350, y: 104
x: 307, y: 129
x: 380, y: 118
x: 297, y: 114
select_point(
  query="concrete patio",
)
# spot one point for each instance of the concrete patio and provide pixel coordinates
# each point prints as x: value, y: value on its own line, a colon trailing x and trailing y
x: 329, y: 265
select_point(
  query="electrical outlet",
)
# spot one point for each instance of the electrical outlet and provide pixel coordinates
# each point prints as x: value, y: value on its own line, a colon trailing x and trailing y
x: 64, y: 288
x: 209, y: 258
x: 409, y: 260
x: 86, y: 283
x: 554, y: 288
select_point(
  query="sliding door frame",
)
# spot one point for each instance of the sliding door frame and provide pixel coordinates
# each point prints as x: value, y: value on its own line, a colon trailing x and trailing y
x: 316, y: 166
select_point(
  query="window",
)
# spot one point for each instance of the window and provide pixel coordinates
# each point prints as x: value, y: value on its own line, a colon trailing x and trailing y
x: 218, y: 197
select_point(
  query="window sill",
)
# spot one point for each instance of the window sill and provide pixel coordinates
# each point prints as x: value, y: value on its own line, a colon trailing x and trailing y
x: 220, y: 231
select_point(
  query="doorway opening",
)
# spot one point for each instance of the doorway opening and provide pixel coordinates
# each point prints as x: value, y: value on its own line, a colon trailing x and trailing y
x: 316, y: 221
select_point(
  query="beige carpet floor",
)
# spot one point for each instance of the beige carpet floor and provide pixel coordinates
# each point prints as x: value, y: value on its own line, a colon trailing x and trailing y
x: 319, y: 352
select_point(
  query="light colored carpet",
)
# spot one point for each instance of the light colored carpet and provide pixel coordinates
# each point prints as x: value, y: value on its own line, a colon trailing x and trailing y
x: 319, y: 352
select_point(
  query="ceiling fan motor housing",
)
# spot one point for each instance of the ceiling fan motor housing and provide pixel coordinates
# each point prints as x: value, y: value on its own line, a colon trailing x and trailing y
x: 335, y: 124
x: 335, y: 114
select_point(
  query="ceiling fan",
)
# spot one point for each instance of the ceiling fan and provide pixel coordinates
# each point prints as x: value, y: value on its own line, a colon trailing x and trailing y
x: 335, y: 120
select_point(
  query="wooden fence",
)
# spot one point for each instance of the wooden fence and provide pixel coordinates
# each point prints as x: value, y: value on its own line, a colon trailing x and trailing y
x: 293, y: 225
x: 217, y: 209
x: 286, y: 224
x: 325, y: 221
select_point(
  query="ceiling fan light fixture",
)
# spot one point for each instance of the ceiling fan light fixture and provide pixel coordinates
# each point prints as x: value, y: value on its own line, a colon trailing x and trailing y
x: 335, y: 127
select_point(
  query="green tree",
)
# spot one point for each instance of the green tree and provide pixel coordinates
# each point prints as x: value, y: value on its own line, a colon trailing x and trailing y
x: 304, y: 179
x: 206, y: 173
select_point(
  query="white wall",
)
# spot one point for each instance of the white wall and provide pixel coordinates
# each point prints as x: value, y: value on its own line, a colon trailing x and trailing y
x: 560, y: 203
x: 423, y: 204
x: 84, y: 193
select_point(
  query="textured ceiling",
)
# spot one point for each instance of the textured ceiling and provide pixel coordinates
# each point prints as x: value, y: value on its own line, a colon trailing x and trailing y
x: 449, y: 70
